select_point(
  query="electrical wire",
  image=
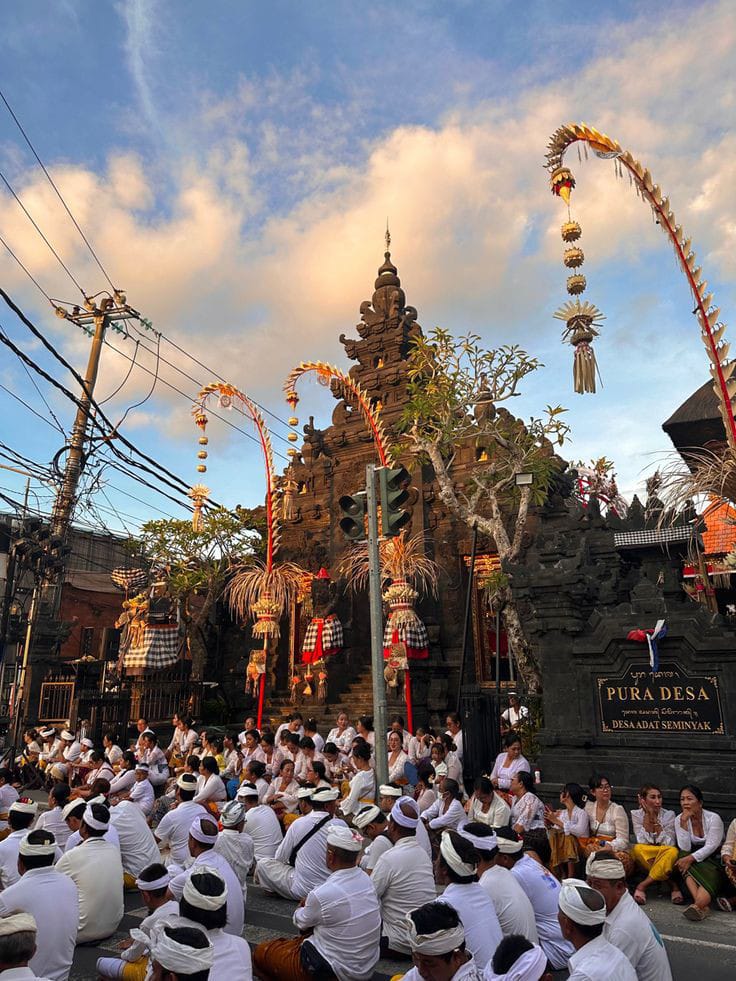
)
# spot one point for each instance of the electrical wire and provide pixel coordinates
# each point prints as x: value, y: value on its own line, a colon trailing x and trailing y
x: 56, y: 189
x: 137, y: 405
x: 29, y: 407
x: 127, y: 376
x: 192, y: 398
x: 32, y: 220
x: 41, y: 396
x: 30, y: 275
x: 182, y: 487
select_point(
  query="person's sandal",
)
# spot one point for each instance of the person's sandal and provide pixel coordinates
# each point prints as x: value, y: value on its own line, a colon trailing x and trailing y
x: 724, y: 904
x: 695, y: 913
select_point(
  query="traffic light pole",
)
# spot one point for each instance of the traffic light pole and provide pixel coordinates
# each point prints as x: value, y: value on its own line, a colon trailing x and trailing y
x: 374, y: 580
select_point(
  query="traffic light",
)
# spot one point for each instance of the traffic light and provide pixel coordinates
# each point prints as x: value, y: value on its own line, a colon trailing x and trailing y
x: 394, y: 494
x: 354, y: 507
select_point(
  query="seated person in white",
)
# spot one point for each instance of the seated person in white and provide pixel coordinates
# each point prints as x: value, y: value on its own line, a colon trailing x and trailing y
x: 234, y: 844
x: 456, y: 868
x: 96, y: 869
x: 152, y: 884
x: 141, y: 793
x: 447, y: 811
x: 260, y: 822
x: 51, y: 898
x: 582, y: 915
x: 154, y: 756
x: 362, y: 784
x: 179, y: 952
x: 518, y: 959
x: 627, y: 926
x: 18, y: 936
x: 202, y: 839
x: 204, y: 904
x: 342, y: 735
x: 515, y: 912
x: 299, y: 863
x: 339, y: 922
x: 125, y: 777
x: 397, y: 758
x: 402, y: 877
x: 372, y: 824
x: 138, y: 846
x: 210, y: 788
x: 487, y: 806
x: 21, y: 816
x: 437, y: 943
x: 52, y: 820
x: 509, y: 762
x: 172, y: 831
x: 527, y: 810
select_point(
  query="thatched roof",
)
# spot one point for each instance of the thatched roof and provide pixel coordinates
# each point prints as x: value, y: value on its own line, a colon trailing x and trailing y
x: 697, y: 422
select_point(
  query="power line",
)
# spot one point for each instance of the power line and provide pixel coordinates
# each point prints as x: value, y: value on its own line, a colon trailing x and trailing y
x: 127, y: 376
x: 32, y: 278
x: 32, y: 220
x: 29, y: 407
x: 56, y: 189
x: 41, y: 396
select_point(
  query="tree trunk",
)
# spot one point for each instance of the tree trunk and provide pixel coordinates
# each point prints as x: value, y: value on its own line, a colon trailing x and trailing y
x: 519, y: 646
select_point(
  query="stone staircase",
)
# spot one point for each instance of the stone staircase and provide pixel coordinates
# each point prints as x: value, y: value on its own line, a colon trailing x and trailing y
x: 355, y: 698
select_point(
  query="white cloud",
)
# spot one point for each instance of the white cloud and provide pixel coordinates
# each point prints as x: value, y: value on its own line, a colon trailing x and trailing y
x: 252, y: 283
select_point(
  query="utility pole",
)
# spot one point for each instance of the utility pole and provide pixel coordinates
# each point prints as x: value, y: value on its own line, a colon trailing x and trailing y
x: 96, y: 320
x: 374, y: 581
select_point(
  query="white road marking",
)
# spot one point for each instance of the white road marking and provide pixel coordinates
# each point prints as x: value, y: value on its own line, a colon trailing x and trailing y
x: 698, y: 943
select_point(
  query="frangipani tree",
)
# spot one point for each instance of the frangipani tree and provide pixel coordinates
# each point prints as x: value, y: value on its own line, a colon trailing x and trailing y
x: 457, y: 393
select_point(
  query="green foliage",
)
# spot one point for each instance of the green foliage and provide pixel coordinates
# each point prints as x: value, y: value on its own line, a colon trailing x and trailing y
x: 198, y: 561
x: 493, y: 584
x: 456, y: 392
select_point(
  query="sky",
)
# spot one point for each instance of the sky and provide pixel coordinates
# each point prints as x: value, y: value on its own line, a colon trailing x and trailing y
x: 233, y: 165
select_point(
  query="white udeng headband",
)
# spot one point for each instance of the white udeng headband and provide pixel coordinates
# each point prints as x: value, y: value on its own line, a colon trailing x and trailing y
x: 387, y: 791
x: 508, y: 847
x: 447, y: 850
x: 529, y: 967
x: 161, y: 883
x: 199, y: 835
x: 44, y: 849
x: 604, y: 868
x: 571, y: 903
x: 403, y: 819
x: 175, y: 957
x: 432, y: 944
x: 198, y: 899
x: 91, y: 821
x: 485, y: 844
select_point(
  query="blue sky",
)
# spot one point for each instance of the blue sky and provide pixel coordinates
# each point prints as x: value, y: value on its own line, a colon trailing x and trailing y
x: 234, y: 163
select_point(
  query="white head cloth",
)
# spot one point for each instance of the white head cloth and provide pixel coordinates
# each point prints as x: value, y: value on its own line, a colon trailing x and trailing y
x: 325, y: 794
x: 572, y: 905
x: 195, y: 830
x: 366, y: 816
x: 67, y: 736
x: 385, y: 790
x: 22, y: 806
x: 458, y: 866
x: 434, y: 944
x: 304, y: 793
x: 100, y: 799
x: 481, y: 844
x: 531, y: 966
x: 604, y: 868
x: 44, y: 849
x: 508, y: 847
x: 154, y: 883
x: 17, y: 923
x: 195, y: 898
x: 232, y: 813
x: 48, y: 733
x: 341, y: 837
x: 142, y: 767
x: 87, y: 742
x: 403, y: 820
x: 176, y: 957
x: 187, y: 781
x: 91, y: 821
x: 72, y: 806
x: 247, y: 790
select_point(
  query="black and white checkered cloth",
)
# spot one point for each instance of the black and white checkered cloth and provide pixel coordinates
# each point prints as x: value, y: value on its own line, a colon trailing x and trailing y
x: 332, y: 635
x: 157, y: 647
x: 413, y: 635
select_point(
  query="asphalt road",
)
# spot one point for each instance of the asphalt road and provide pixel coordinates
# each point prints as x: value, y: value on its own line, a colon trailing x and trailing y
x: 698, y: 951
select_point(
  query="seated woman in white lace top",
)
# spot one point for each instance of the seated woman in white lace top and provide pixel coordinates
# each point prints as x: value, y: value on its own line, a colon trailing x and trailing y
x: 527, y: 810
